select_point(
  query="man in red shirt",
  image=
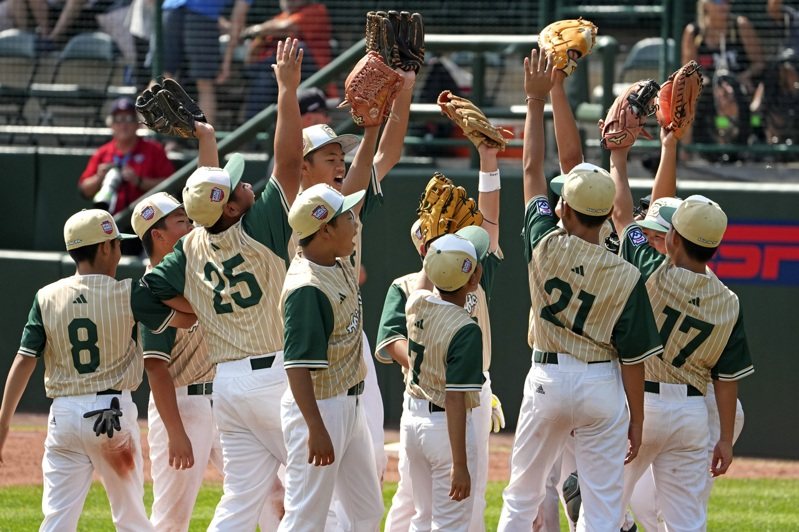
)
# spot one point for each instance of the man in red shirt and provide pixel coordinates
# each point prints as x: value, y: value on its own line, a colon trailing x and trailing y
x: 127, y: 166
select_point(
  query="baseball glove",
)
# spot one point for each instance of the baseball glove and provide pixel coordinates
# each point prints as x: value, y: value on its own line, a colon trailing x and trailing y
x: 572, y: 497
x: 627, y: 116
x: 398, y: 37
x: 677, y: 99
x: 444, y: 208
x: 167, y: 109
x: 472, y: 121
x: 107, y: 419
x: 567, y: 41
x: 370, y: 90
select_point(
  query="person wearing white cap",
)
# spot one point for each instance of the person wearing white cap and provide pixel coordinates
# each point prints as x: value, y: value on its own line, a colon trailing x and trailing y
x: 701, y: 323
x: 392, y: 346
x: 231, y: 270
x: 322, y: 413
x: 83, y: 327
x: 590, y: 312
x: 443, y: 382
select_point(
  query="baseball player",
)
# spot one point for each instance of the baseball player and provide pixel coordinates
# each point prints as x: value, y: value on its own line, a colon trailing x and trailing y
x: 702, y: 328
x: 392, y: 346
x: 328, y: 443
x: 231, y: 270
x: 590, y: 310
x: 443, y: 382
x: 84, y: 327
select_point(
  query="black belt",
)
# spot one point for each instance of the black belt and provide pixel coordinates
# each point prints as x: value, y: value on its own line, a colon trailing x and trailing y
x: 262, y: 362
x: 434, y: 407
x: 201, y: 388
x: 654, y: 387
x: 550, y: 357
x: 109, y: 392
x: 356, y: 390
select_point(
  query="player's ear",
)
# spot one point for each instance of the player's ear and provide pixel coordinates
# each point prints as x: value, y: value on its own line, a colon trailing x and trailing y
x: 474, y: 280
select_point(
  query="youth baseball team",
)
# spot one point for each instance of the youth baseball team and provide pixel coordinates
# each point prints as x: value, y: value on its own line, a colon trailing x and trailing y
x: 249, y: 323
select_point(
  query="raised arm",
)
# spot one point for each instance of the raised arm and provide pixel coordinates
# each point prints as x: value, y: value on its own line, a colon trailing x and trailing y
x: 488, y: 188
x: 288, y: 131
x: 537, y: 83
x: 665, y: 184
x: 567, y: 136
x: 208, y: 154
x: 393, y: 138
x: 360, y: 171
x: 623, y: 201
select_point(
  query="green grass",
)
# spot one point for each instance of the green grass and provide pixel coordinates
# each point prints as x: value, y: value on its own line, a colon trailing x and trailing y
x: 736, y: 505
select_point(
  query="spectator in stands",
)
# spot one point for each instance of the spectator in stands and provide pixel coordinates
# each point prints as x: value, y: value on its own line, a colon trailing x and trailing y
x: 305, y: 20
x: 727, y: 48
x: 783, y: 30
x: 313, y: 107
x: 125, y: 167
x: 191, y: 36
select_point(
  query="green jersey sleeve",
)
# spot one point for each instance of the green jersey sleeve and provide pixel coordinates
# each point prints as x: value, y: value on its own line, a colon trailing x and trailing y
x: 735, y: 362
x: 539, y: 221
x: 373, y: 198
x: 635, y: 249
x: 465, y: 360
x: 34, y: 337
x: 392, y: 323
x: 636, y: 334
x: 167, y: 279
x: 148, y: 309
x: 267, y: 221
x: 308, y: 324
x: 158, y: 345
x: 490, y: 264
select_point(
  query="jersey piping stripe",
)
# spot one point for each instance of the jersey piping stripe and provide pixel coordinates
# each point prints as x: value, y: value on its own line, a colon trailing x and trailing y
x: 306, y: 363
x: 157, y: 354
x: 737, y: 376
x: 165, y: 324
x: 27, y: 352
x: 652, y: 352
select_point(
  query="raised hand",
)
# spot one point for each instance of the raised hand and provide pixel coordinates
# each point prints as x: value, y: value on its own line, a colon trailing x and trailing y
x: 288, y: 64
x: 537, y: 75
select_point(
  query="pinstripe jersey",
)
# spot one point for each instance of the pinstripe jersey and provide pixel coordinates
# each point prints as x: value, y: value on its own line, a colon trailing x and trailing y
x: 698, y: 317
x: 184, y: 350
x: 392, y: 321
x: 322, y: 313
x: 444, y: 345
x: 372, y: 199
x: 585, y: 301
x: 84, y: 327
x: 233, y: 279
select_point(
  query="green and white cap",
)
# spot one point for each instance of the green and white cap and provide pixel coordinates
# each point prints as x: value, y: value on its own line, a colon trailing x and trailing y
x: 698, y: 220
x: 654, y: 220
x: 587, y: 189
x: 317, y: 205
x: 91, y: 226
x: 208, y: 190
x: 151, y: 209
x: 316, y: 136
x: 452, y: 259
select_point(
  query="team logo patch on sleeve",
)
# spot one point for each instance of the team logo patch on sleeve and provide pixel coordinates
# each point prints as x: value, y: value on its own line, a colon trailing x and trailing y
x: 543, y: 208
x: 320, y: 212
x: 108, y: 228
x: 217, y: 194
x: 637, y: 237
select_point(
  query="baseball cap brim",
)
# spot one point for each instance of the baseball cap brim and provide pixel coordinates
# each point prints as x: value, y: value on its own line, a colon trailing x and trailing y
x: 348, y: 143
x: 126, y: 236
x: 557, y: 184
x: 350, y: 201
x: 478, y: 237
x: 235, y: 169
x: 667, y: 213
x: 654, y: 226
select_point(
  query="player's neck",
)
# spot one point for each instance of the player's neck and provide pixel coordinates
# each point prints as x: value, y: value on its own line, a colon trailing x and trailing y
x: 683, y: 261
x: 319, y: 254
x: 96, y: 268
x: 589, y: 234
x: 158, y: 255
x: 457, y: 298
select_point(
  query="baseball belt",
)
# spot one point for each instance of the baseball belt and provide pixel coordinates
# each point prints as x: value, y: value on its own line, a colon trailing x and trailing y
x: 550, y: 357
x: 654, y: 387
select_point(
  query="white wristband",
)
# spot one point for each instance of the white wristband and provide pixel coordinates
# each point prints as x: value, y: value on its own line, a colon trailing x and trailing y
x: 488, y: 181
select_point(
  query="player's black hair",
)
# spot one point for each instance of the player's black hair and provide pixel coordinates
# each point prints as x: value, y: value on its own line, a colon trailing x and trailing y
x: 590, y: 221
x: 147, y: 239
x: 697, y: 252
x: 87, y: 253
x: 307, y: 240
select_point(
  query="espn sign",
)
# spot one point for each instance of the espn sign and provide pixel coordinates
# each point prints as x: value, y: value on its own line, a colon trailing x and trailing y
x: 759, y: 253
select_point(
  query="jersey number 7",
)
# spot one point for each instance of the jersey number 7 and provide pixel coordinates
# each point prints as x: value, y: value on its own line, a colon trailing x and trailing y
x: 689, y: 322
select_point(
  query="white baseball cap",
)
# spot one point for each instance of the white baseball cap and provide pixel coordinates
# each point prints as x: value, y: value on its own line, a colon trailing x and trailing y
x: 91, y: 226
x: 316, y: 136
x: 654, y: 220
x: 208, y: 190
x: 452, y: 259
x: 152, y: 209
x: 317, y: 205
x: 698, y: 220
x: 587, y: 189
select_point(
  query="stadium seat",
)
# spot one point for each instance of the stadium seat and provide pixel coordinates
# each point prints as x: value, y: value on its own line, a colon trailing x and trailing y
x: 17, y: 68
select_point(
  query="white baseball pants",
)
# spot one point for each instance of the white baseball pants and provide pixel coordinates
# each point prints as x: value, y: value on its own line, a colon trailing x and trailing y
x: 248, y: 419
x: 558, y: 399
x: 72, y: 452
x: 352, y: 475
